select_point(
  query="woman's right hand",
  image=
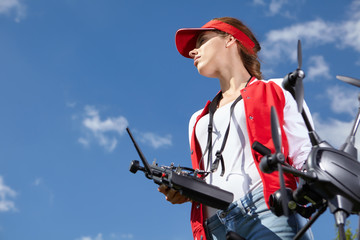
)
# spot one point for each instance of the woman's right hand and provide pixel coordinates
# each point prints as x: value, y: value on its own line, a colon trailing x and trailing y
x: 173, y: 195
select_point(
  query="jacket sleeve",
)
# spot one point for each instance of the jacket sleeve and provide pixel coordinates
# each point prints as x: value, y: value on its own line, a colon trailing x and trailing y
x: 296, y: 131
x: 192, y: 122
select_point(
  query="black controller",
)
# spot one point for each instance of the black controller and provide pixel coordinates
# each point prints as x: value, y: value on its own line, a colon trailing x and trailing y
x: 184, y: 180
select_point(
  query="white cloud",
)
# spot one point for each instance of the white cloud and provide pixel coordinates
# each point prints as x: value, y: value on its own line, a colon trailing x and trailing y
x: 127, y: 236
x: 71, y: 104
x: 273, y: 7
x: 333, y: 131
x: 37, y: 182
x: 259, y: 2
x: 319, y: 69
x: 83, y: 141
x: 281, y: 44
x: 5, y: 193
x: 154, y: 140
x: 343, y: 100
x: 105, y: 132
x: 111, y: 236
x: 9, y: 6
x: 42, y: 186
x: 276, y: 5
x: 101, y: 129
x: 94, y: 123
x: 351, y: 34
x: 97, y: 237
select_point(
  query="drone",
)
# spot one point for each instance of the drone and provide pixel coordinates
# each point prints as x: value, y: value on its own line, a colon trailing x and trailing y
x: 329, y: 178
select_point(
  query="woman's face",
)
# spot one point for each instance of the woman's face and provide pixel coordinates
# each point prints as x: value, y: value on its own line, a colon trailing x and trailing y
x: 209, y: 53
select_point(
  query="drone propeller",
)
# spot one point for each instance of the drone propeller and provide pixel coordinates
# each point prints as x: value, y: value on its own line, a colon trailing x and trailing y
x: 299, y: 88
x: 276, y: 136
x: 352, y: 81
x: 299, y: 54
x: 293, y: 81
x: 275, y: 130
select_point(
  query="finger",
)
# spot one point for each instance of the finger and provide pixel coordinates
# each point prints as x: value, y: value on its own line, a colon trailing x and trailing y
x: 171, y: 194
x: 179, y: 199
x: 163, y: 189
x: 175, y: 197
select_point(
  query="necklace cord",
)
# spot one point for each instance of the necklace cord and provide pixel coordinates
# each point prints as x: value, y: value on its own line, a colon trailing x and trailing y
x: 219, y: 158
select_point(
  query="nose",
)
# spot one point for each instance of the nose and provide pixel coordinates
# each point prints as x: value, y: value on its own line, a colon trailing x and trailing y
x: 193, y: 53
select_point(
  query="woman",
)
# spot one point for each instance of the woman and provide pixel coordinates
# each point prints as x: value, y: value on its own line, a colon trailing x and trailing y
x: 226, y: 49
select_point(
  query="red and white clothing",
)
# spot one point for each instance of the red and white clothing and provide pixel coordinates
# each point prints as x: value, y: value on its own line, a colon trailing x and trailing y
x: 241, y: 175
x: 250, y: 122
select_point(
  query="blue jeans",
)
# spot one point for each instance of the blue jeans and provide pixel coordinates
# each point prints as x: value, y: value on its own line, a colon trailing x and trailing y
x: 251, y: 219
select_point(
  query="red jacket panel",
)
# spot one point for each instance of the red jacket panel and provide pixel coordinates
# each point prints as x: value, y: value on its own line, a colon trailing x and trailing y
x: 258, y: 98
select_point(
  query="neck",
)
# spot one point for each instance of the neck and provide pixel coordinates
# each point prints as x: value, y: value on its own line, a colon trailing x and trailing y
x: 233, y: 75
x: 231, y: 87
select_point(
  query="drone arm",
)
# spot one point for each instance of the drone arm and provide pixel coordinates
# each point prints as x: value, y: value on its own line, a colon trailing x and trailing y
x: 310, y: 222
x: 308, y: 176
x: 314, y: 137
x: 349, y: 145
x: 307, y: 121
x: 355, y: 126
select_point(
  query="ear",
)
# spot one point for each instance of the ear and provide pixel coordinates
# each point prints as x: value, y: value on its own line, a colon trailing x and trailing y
x: 230, y: 40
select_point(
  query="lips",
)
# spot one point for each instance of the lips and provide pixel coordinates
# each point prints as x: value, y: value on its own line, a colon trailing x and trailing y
x: 196, y: 60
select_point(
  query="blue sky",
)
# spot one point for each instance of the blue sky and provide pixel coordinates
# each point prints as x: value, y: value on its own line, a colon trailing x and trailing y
x: 75, y: 73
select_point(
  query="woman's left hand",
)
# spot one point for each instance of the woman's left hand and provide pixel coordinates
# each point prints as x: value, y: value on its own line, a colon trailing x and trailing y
x: 173, y: 195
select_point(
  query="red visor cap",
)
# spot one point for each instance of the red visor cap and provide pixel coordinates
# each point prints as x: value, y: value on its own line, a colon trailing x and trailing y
x: 185, y: 38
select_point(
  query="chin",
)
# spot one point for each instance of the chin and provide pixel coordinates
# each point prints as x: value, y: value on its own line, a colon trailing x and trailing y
x: 206, y: 73
x: 206, y: 70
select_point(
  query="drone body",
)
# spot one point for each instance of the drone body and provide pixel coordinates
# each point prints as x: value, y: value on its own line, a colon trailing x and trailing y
x: 329, y: 178
x: 337, y: 175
